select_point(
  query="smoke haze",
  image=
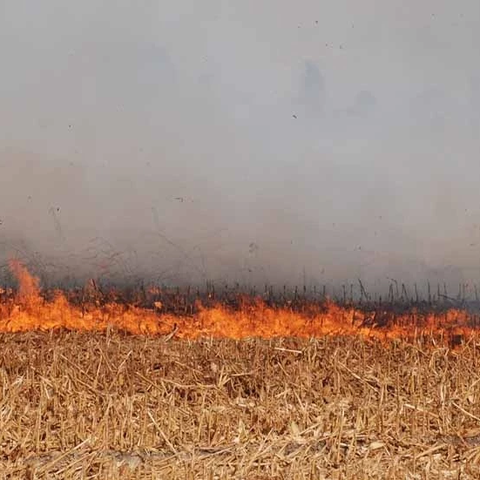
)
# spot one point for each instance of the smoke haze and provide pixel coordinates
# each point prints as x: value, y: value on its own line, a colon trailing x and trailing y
x: 248, y: 141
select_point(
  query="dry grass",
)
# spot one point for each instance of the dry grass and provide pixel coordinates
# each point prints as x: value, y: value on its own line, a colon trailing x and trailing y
x: 86, y: 405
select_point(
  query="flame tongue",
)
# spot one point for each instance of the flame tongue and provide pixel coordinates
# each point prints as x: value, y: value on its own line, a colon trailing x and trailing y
x: 28, y: 285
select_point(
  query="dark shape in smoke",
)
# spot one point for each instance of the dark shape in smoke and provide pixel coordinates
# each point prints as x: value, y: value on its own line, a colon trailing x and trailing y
x: 365, y: 103
x: 312, y: 94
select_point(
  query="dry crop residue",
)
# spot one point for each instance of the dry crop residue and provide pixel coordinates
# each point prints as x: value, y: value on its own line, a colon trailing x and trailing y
x: 77, y: 405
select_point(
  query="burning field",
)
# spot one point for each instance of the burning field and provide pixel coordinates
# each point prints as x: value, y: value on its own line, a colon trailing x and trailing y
x: 176, y: 383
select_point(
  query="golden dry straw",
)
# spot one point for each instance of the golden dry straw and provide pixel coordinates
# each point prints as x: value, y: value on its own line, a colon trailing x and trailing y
x: 87, y: 405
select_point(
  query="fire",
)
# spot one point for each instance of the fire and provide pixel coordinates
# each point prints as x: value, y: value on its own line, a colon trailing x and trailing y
x: 32, y: 309
x: 29, y: 286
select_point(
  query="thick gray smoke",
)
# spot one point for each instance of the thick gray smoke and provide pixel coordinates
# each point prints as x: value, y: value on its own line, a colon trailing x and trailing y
x: 273, y: 141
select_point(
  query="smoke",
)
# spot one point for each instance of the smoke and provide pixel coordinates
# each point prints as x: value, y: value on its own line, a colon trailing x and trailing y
x: 185, y: 141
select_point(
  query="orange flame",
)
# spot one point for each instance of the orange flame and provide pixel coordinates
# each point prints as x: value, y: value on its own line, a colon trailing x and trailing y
x: 29, y: 286
x: 29, y: 311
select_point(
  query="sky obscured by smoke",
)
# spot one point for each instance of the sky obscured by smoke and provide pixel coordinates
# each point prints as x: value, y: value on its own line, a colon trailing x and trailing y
x: 247, y: 141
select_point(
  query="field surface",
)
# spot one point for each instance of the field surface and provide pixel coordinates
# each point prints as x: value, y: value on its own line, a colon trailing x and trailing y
x: 113, y: 405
